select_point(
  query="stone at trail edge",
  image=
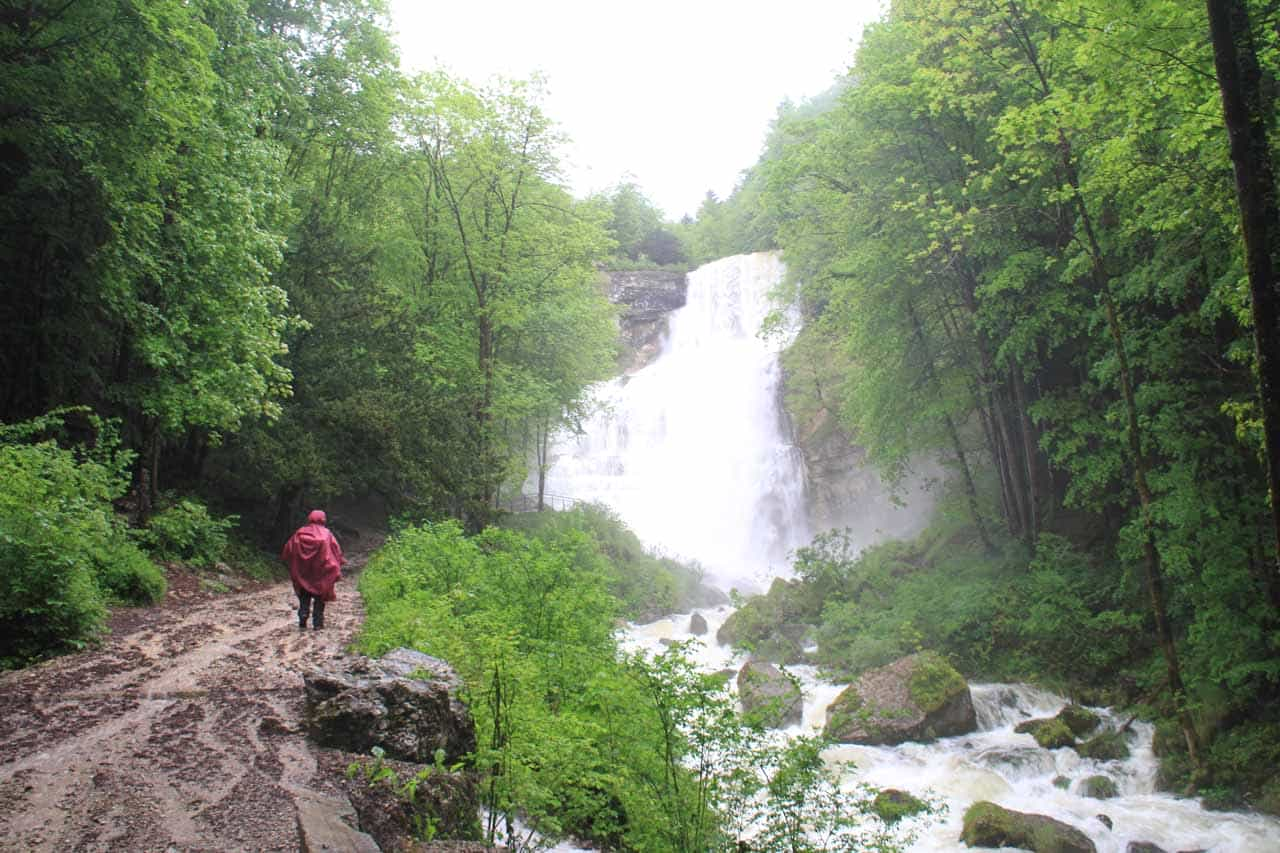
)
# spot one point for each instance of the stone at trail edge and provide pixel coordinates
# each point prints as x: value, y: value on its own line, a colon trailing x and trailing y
x: 405, y: 702
x: 447, y: 802
x: 321, y: 827
x: 769, y: 695
x: 989, y: 825
x: 919, y: 697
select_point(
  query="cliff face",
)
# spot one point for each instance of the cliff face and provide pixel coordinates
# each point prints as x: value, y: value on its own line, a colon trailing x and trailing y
x: 647, y: 297
x: 845, y: 491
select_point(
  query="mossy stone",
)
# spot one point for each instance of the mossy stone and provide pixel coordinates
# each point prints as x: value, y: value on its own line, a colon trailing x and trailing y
x: 934, y: 682
x: 1268, y: 801
x: 893, y: 805
x: 1079, y: 719
x: 989, y: 825
x: 1050, y: 734
x: 1099, y: 788
x: 1108, y: 746
x: 1061, y: 782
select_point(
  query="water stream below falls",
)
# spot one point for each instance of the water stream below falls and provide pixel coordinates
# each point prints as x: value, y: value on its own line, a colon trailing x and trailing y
x: 692, y: 453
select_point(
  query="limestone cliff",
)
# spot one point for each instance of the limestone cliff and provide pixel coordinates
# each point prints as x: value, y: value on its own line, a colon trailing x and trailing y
x: 647, y: 297
x: 843, y: 490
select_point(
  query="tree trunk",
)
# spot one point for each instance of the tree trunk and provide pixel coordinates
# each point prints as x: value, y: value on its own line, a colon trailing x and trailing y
x: 1102, y: 285
x: 1150, y: 554
x: 1029, y: 447
x: 970, y: 488
x: 1247, y: 107
x: 543, y: 431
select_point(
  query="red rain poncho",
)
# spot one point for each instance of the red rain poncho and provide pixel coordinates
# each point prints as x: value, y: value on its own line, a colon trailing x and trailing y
x: 314, y: 557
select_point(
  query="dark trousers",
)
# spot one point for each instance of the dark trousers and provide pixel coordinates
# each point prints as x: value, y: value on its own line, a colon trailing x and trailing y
x: 304, y: 608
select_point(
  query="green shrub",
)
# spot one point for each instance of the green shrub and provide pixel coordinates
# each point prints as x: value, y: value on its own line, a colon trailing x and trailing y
x: 647, y: 584
x: 186, y: 531
x: 127, y: 573
x: 251, y: 560
x: 63, y: 552
x: 933, y: 682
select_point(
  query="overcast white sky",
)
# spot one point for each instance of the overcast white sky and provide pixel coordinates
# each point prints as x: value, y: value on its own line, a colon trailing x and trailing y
x: 676, y: 95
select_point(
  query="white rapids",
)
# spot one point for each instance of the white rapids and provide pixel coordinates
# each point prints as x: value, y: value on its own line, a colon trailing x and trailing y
x: 692, y: 453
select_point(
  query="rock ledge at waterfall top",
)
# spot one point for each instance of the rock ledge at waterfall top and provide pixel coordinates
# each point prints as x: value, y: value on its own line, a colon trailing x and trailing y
x: 647, y: 298
x: 916, y: 698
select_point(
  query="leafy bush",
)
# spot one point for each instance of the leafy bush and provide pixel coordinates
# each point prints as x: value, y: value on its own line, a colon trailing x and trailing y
x: 648, y: 585
x: 127, y: 574
x: 248, y: 559
x: 186, y: 531
x: 628, y: 752
x: 63, y: 552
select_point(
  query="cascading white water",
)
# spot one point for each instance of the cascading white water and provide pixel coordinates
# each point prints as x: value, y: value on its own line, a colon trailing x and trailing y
x: 995, y: 763
x: 691, y: 453
x: 691, y: 450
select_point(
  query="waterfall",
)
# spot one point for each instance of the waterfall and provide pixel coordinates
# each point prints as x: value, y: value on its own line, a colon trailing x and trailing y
x: 692, y: 451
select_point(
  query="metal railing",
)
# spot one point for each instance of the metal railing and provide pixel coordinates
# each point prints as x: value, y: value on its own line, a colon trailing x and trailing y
x: 529, y: 503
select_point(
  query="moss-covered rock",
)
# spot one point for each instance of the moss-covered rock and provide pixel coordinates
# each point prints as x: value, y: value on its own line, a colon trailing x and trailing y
x: 1050, y: 733
x: 1062, y: 782
x: 989, y: 825
x: 919, y: 697
x: 892, y: 805
x: 774, y: 626
x: 1268, y: 801
x: 934, y: 682
x: 1079, y: 719
x: 1108, y: 746
x: 1099, y: 787
x: 769, y: 696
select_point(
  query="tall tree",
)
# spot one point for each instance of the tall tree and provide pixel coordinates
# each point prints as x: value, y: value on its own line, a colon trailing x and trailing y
x: 504, y: 246
x: 1248, y: 107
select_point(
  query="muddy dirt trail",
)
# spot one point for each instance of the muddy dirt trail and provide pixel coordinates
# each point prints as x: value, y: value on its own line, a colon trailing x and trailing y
x: 182, y: 732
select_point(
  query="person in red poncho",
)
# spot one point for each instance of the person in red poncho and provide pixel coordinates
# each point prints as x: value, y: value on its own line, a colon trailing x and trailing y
x: 315, y: 564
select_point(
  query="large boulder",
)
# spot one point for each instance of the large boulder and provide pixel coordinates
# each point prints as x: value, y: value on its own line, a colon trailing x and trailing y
x: 1079, y: 719
x: 697, y: 624
x: 989, y: 825
x: 919, y: 697
x: 769, y: 695
x: 775, y: 626
x: 404, y: 702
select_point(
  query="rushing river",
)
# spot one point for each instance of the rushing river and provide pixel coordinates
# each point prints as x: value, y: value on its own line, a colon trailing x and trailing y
x: 693, y: 454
